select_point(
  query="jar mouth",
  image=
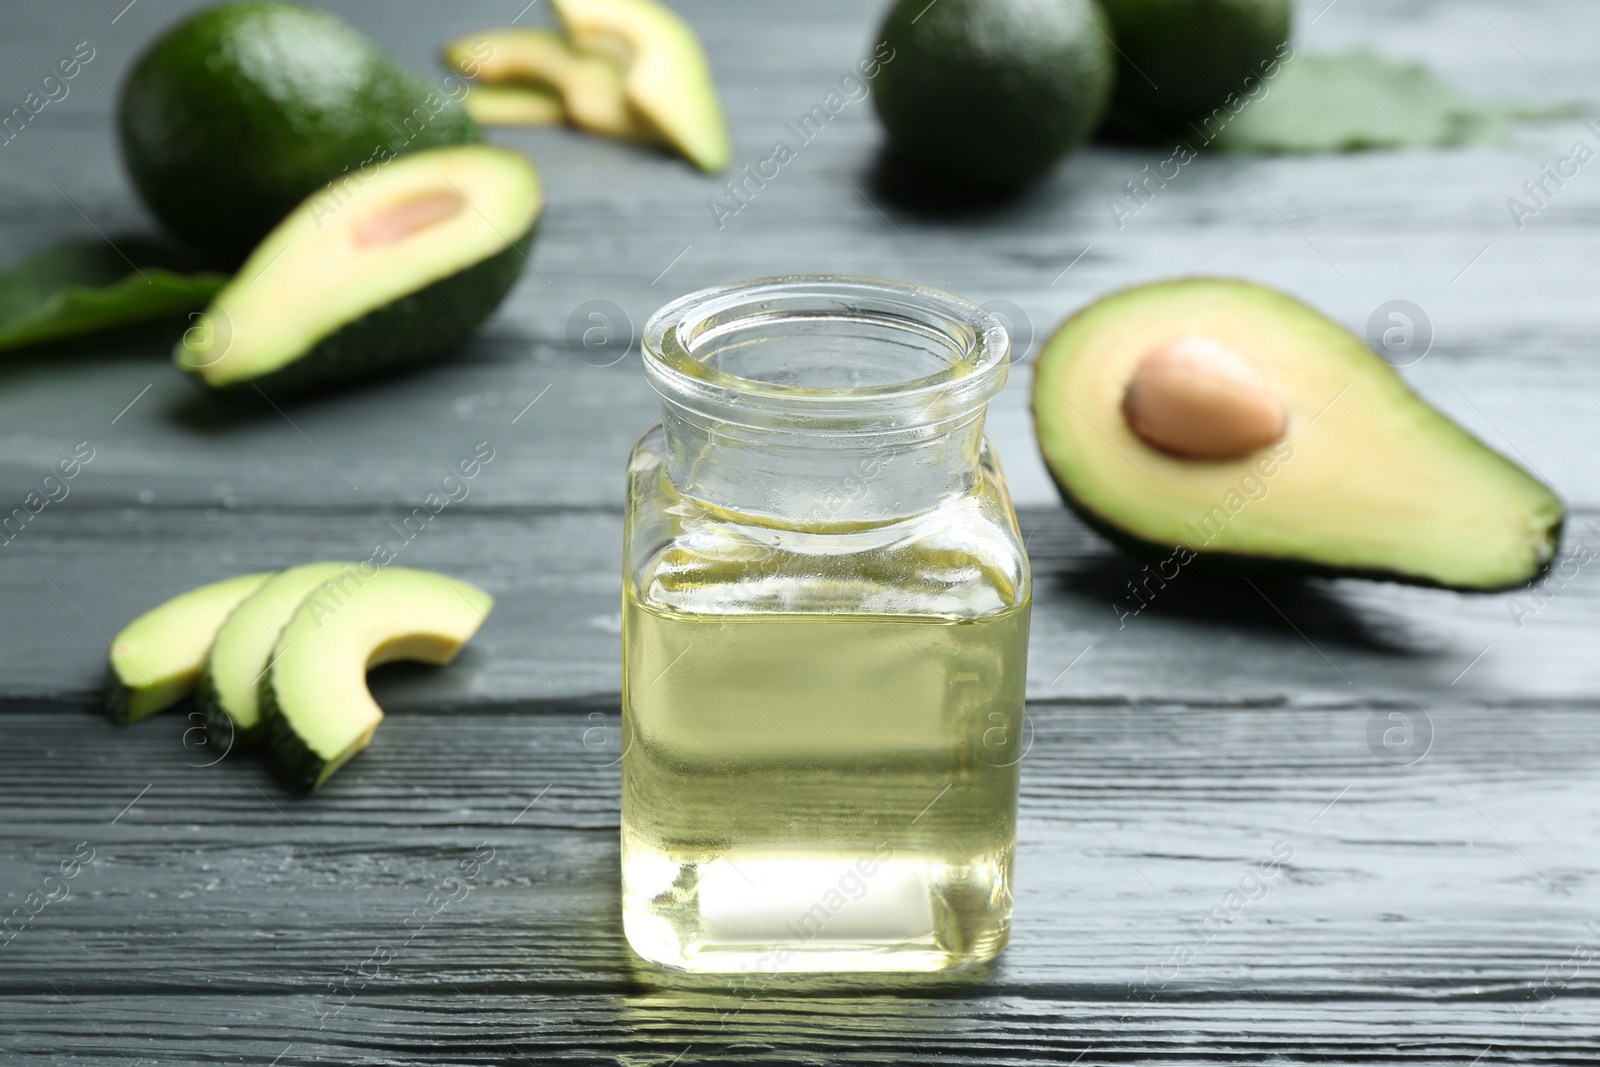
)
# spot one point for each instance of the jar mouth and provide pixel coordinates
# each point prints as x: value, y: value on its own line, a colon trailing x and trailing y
x: 826, y: 353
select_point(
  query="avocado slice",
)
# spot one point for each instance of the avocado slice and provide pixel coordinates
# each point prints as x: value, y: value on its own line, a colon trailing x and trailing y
x: 229, y: 689
x: 314, y: 698
x: 1359, y: 476
x: 394, y: 264
x: 1182, y: 60
x: 590, y: 86
x: 243, y: 110
x: 514, y: 105
x: 665, y: 73
x: 156, y: 658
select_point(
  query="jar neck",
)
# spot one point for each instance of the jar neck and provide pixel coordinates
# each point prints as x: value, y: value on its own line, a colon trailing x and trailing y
x: 818, y: 401
x: 798, y: 479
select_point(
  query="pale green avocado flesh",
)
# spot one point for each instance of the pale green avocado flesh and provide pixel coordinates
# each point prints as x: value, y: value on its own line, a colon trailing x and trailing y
x: 314, y: 698
x: 230, y: 682
x: 666, y: 77
x: 387, y: 266
x: 156, y: 658
x: 1368, y: 479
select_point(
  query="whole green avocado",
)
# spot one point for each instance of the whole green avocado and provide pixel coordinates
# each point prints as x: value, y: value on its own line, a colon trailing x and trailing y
x: 1180, y: 59
x: 992, y: 93
x: 240, y: 112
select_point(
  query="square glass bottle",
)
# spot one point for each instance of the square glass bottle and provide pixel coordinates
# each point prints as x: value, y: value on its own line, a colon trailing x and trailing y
x: 825, y: 629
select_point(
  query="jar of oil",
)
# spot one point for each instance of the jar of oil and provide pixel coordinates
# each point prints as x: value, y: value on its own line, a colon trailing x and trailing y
x: 825, y: 631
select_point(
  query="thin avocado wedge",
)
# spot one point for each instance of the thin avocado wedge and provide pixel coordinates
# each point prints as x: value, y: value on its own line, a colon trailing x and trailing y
x: 156, y: 658
x: 590, y: 87
x: 318, y: 709
x: 242, y: 110
x: 393, y: 265
x: 665, y: 73
x: 229, y: 689
x: 1228, y: 420
x: 515, y: 105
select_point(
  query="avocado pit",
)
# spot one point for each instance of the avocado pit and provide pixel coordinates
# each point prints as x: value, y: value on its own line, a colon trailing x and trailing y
x: 400, y: 220
x: 1197, y: 398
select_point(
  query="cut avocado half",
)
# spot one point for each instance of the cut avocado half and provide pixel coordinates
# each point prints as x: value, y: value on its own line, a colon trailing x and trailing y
x: 230, y: 682
x: 314, y: 698
x: 1231, y: 420
x: 589, y: 86
x: 665, y: 73
x: 393, y: 264
x: 156, y: 658
x: 514, y: 105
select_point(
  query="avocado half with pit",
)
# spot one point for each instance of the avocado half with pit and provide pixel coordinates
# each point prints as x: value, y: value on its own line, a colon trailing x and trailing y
x: 229, y: 690
x: 1230, y: 420
x: 156, y: 658
x: 393, y: 264
x: 314, y: 697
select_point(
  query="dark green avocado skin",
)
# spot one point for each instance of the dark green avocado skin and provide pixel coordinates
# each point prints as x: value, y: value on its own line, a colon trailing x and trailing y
x: 221, y: 731
x: 1213, y: 562
x: 296, y: 763
x: 990, y: 94
x: 236, y: 115
x: 116, y: 698
x: 1180, y: 59
x: 404, y: 332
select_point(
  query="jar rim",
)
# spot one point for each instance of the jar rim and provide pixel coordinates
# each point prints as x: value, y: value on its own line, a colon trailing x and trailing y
x: 972, y: 342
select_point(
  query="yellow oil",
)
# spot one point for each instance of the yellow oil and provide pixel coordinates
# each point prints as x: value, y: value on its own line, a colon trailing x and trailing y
x: 807, y: 792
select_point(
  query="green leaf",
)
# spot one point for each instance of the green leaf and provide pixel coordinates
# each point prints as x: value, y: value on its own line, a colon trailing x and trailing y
x: 1353, y: 101
x: 79, y: 287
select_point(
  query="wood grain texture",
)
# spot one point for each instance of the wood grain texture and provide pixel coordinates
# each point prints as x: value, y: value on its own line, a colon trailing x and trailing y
x: 1435, y: 911
x: 1205, y: 639
x: 857, y: 1028
x: 1438, y: 896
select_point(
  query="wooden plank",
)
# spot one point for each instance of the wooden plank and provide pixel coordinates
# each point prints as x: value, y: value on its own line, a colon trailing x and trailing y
x: 998, y: 1031
x: 1443, y: 880
x: 554, y: 631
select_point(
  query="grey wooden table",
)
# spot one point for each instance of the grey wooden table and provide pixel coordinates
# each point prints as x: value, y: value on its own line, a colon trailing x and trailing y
x: 1438, y: 903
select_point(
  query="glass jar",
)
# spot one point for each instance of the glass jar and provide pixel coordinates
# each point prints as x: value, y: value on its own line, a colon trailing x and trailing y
x: 825, y: 631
